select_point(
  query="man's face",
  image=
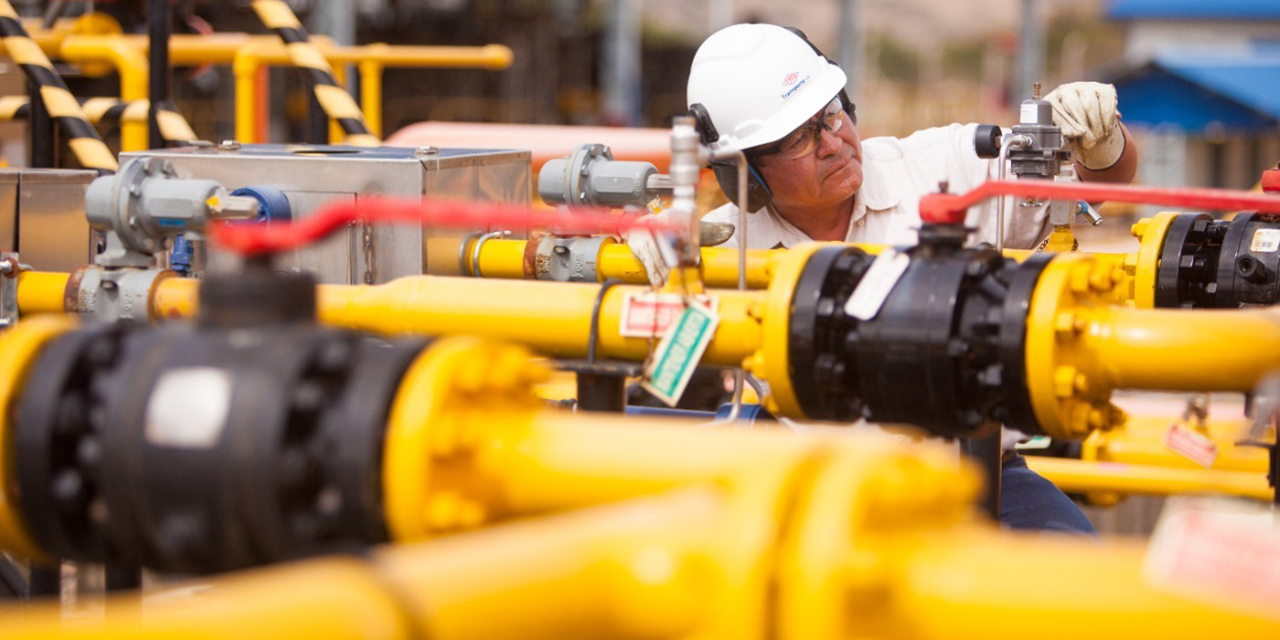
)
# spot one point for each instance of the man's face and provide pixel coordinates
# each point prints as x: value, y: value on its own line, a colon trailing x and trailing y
x: 827, y: 176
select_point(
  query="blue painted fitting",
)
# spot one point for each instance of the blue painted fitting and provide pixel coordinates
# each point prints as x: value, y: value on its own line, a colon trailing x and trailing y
x: 273, y: 204
x: 180, y: 256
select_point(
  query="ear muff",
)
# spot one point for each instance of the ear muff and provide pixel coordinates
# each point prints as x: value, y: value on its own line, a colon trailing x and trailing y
x: 758, y: 194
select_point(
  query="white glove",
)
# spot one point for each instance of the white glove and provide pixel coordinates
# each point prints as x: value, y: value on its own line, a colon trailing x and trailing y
x: 653, y: 252
x: 1086, y: 112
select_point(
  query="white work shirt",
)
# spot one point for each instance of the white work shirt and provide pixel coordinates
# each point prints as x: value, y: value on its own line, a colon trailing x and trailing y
x: 896, y: 172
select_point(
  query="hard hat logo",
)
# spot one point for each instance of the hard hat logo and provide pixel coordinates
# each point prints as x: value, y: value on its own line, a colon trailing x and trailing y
x: 758, y: 82
x: 794, y: 89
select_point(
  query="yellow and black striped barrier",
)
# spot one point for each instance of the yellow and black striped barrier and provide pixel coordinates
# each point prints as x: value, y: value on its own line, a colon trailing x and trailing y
x: 103, y: 111
x: 333, y: 99
x: 83, y: 139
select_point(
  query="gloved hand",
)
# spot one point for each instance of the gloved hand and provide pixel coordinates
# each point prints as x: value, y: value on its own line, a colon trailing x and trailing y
x: 653, y: 252
x: 1086, y: 112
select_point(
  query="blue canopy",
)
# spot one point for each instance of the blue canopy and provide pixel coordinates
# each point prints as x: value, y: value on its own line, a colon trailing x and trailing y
x: 1193, y: 90
x: 1194, y: 9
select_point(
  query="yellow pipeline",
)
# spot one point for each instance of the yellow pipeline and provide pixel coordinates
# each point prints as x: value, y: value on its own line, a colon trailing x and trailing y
x: 709, y: 562
x: 41, y: 292
x: 1080, y: 347
x: 468, y: 443
x: 84, y: 141
x: 517, y: 259
x: 1140, y: 441
x: 130, y: 62
x: 552, y: 318
x: 334, y: 100
x: 1111, y: 478
x: 19, y: 347
x: 371, y: 60
x: 510, y: 259
x: 777, y: 535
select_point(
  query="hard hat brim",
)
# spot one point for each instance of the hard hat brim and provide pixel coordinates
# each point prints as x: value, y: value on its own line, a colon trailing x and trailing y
x: 809, y: 100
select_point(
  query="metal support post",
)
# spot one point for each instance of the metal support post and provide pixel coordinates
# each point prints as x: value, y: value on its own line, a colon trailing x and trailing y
x: 43, y: 132
x: 853, y: 44
x: 45, y: 582
x: 621, y: 68
x: 1032, y: 48
x: 602, y: 386
x: 317, y: 126
x: 987, y: 453
x: 159, y: 27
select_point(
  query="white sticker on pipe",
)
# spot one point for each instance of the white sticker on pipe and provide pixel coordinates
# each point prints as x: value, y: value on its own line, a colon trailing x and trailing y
x: 1224, y: 554
x: 877, y: 284
x: 188, y: 408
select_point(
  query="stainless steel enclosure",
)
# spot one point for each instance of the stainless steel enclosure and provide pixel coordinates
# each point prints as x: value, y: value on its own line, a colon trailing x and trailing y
x: 42, y: 217
x: 312, y: 176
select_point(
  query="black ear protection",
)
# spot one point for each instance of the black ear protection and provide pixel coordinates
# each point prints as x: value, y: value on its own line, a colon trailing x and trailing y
x: 726, y: 172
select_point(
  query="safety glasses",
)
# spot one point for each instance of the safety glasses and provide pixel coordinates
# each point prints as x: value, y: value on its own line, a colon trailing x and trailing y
x: 804, y: 139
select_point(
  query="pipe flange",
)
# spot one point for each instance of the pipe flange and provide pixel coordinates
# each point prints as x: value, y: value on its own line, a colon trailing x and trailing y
x: 428, y: 421
x: 19, y: 348
x: 1144, y: 266
x: 1066, y: 402
x: 1188, y: 267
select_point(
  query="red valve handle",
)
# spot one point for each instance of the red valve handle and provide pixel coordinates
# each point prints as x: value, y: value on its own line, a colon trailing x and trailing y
x: 273, y: 238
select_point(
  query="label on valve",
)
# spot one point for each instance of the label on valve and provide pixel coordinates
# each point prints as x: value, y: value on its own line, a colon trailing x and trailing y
x: 1191, y: 444
x: 188, y: 408
x: 678, y: 354
x: 648, y: 315
x: 877, y: 284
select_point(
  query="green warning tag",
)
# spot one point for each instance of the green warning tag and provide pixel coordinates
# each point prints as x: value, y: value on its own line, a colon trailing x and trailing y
x: 678, y: 354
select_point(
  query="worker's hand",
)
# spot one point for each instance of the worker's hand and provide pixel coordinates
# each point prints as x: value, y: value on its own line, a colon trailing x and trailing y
x: 1086, y: 112
x: 646, y: 247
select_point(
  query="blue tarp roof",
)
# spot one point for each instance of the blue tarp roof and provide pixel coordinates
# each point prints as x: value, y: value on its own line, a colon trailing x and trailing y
x: 1192, y: 90
x: 1195, y: 9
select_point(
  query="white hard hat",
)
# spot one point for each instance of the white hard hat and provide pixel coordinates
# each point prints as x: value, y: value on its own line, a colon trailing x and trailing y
x: 758, y: 82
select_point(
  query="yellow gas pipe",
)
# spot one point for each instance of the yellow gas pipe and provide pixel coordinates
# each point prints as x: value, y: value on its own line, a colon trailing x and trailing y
x: 1079, y: 347
x: 816, y: 557
x: 774, y: 535
x: 1132, y: 458
x: 1141, y: 441
x: 1108, y: 481
x: 371, y: 61
x: 519, y: 259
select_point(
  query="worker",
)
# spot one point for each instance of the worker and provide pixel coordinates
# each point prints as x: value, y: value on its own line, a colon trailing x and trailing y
x: 767, y: 91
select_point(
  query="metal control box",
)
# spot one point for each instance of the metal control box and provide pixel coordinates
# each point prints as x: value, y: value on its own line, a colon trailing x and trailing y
x: 42, y: 217
x: 312, y: 176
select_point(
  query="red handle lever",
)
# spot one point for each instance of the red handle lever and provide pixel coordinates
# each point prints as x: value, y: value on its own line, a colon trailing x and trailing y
x: 273, y: 238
